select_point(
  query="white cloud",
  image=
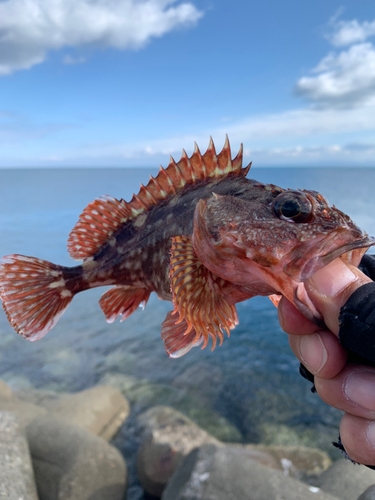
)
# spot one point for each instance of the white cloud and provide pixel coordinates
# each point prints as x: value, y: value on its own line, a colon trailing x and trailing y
x: 343, y: 78
x: 29, y: 29
x: 308, y: 122
x: 346, y: 78
x: 268, y: 138
x: 68, y: 59
x: 348, y: 32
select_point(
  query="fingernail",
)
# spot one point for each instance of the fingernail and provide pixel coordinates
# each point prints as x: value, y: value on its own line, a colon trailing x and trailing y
x: 359, y: 387
x: 313, y: 352
x: 370, y: 433
x: 332, y: 279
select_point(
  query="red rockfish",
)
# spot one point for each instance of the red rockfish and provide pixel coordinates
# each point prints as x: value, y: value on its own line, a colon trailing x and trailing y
x: 199, y: 234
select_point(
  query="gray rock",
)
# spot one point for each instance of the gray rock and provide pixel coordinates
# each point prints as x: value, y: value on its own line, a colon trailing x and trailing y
x: 100, y: 409
x: 227, y: 472
x: 346, y: 480
x: 168, y: 436
x: 5, y: 390
x: 16, y: 472
x: 300, y: 462
x: 369, y: 494
x: 70, y: 463
x: 26, y: 412
x: 144, y: 394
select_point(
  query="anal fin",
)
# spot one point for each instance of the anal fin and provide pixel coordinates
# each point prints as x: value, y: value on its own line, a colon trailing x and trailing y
x: 122, y: 301
x: 198, y: 295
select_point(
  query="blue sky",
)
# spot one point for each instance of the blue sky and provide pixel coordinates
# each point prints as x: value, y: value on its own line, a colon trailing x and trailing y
x: 128, y: 82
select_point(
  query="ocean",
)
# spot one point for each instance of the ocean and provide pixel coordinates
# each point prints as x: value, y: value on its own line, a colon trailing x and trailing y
x: 247, y: 390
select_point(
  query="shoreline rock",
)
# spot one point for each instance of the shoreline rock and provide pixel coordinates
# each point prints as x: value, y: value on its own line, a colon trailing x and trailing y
x: 70, y: 463
x: 67, y: 436
x: 16, y: 471
x: 220, y: 473
x: 168, y: 436
x: 299, y: 462
x: 346, y: 480
x: 100, y: 409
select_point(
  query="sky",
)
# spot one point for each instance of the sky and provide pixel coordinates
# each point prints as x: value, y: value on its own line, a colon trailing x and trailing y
x: 123, y: 83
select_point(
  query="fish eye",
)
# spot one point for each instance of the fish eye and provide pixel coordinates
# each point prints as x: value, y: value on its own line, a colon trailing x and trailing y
x: 293, y: 206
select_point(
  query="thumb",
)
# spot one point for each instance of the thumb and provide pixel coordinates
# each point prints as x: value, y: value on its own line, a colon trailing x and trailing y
x: 330, y: 287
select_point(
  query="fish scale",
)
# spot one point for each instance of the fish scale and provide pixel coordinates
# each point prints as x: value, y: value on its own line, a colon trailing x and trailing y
x: 199, y: 234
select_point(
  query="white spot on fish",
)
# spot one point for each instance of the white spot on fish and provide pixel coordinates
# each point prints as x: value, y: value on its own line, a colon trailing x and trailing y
x: 136, y: 265
x: 125, y: 265
x: 112, y: 242
x: 57, y: 284
x: 65, y: 293
x: 140, y: 220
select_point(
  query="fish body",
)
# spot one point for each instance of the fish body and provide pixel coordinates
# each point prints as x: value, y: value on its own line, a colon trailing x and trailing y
x: 201, y: 235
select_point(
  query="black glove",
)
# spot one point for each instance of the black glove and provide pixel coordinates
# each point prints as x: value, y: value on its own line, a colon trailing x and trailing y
x: 357, y: 318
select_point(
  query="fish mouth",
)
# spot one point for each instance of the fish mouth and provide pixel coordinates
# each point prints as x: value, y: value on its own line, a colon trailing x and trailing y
x: 329, y: 249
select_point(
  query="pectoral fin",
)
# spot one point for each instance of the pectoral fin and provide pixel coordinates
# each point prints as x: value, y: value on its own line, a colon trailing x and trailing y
x: 198, y: 297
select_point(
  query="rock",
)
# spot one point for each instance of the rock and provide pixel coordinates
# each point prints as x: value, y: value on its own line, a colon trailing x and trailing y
x: 279, y: 434
x: 168, y: 436
x: 5, y: 390
x: 100, y: 409
x: 346, y: 480
x: 144, y: 394
x: 70, y: 463
x: 369, y: 494
x: 26, y: 412
x: 16, y: 470
x: 226, y: 472
x: 299, y: 462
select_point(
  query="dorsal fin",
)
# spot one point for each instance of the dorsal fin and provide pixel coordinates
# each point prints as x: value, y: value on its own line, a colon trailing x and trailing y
x: 105, y: 215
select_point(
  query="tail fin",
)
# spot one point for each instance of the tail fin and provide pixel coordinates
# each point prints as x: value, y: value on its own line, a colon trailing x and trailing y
x: 34, y: 294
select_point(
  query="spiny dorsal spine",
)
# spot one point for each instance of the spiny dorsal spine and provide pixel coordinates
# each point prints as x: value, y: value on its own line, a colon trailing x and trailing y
x: 188, y: 171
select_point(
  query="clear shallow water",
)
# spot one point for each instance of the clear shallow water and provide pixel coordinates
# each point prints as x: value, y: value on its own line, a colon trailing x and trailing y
x: 247, y: 390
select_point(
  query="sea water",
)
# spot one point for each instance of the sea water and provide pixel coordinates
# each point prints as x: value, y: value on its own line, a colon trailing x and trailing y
x: 247, y: 390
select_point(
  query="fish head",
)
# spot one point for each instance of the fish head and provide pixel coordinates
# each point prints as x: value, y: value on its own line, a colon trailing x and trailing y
x: 274, y: 241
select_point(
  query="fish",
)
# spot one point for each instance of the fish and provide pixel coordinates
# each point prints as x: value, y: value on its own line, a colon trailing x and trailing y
x: 200, y: 234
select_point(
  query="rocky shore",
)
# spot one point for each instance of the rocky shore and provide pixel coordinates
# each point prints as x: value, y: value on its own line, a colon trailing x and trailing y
x: 60, y: 446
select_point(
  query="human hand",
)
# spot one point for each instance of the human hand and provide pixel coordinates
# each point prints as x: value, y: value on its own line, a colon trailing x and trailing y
x: 341, y: 384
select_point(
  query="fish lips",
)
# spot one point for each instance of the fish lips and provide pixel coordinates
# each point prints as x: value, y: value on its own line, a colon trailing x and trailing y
x: 300, y: 269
